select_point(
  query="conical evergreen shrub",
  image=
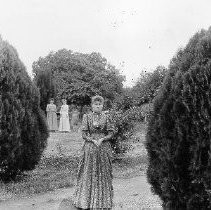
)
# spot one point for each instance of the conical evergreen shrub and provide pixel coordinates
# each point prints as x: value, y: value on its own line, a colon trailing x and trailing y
x: 23, y: 129
x: 179, y: 131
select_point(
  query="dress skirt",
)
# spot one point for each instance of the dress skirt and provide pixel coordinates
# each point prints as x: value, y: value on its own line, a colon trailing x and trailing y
x: 51, y: 117
x: 94, y: 188
x: 64, y: 124
x: 52, y: 121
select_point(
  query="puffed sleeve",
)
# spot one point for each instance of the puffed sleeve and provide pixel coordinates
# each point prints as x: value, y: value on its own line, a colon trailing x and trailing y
x: 61, y: 109
x: 85, y: 123
x: 47, y: 108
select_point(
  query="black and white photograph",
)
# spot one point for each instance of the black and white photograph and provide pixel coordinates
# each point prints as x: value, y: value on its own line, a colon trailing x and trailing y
x: 105, y: 105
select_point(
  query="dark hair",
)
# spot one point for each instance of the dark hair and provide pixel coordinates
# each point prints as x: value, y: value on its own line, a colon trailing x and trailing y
x: 97, y: 98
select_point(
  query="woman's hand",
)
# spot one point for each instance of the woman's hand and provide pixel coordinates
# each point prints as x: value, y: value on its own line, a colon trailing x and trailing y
x: 95, y: 142
x: 100, y: 141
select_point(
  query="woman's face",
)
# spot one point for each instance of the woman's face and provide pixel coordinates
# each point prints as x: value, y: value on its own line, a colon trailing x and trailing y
x: 97, y: 106
x: 51, y: 101
x: 64, y: 101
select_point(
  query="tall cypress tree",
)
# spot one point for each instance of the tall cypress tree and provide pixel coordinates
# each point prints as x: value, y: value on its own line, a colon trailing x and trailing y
x: 23, y: 129
x: 179, y: 131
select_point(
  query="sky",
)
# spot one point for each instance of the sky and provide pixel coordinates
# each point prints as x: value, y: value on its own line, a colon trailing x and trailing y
x: 133, y: 35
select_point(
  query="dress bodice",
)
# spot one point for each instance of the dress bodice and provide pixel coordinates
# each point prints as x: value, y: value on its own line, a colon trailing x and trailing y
x: 51, y: 107
x: 97, y: 124
x: 64, y: 109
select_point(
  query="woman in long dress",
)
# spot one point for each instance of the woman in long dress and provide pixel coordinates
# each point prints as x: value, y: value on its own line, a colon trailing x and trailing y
x: 94, y: 189
x: 51, y: 116
x: 64, y: 123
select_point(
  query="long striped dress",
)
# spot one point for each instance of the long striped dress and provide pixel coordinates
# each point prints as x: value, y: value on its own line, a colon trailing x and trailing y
x: 94, y: 188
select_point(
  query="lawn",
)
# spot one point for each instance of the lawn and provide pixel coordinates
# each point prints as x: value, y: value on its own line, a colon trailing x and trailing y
x: 58, y: 166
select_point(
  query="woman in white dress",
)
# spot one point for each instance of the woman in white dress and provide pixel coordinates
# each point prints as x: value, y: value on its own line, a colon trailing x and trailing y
x: 64, y: 124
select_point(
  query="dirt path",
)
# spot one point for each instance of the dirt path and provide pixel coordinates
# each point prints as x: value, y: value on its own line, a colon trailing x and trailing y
x: 133, y: 193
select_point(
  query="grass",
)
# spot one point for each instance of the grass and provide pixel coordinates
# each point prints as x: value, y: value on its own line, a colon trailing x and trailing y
x: 58, y: 166
x: 52, y: 173
x: 130, y: 167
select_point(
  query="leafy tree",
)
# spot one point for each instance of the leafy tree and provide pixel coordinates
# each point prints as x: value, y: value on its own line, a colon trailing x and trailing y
x: 23, y: 130
x: 77, y: 77
x: 124, y: 121
x: 178, y: 136
x: 148, y: 84
x: 125, y: 100
x: 45, y: 84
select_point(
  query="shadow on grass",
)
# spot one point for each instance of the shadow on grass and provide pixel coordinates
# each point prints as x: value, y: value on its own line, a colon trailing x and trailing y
x: 129, y: 167
x: 50, y: 174
x: 56, y: 172
x: 60, y: 172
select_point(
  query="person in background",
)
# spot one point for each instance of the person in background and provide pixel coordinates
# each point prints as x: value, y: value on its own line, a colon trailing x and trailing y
x: 74, y: 119
x: 64, y: 123
x: 51, y: 116
x: 86, y: 109
x: 94, y: 189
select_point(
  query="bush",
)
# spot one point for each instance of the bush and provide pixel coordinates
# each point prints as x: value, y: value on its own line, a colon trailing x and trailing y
x: 124, y: 123
x: 147, y: 85
x: 124, y: 101
x: 23, y: 135
x: 179, y: 130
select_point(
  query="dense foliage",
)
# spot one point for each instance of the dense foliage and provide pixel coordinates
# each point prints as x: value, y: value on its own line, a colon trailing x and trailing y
x: 77, y: 77
x: 125, y: 100
x: 147, y: 85
x: 23, y: 130
x: 124, y: 122
x: 179, y: 132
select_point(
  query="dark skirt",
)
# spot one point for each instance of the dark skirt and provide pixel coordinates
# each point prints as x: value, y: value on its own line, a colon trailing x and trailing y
x: 94, y: 188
